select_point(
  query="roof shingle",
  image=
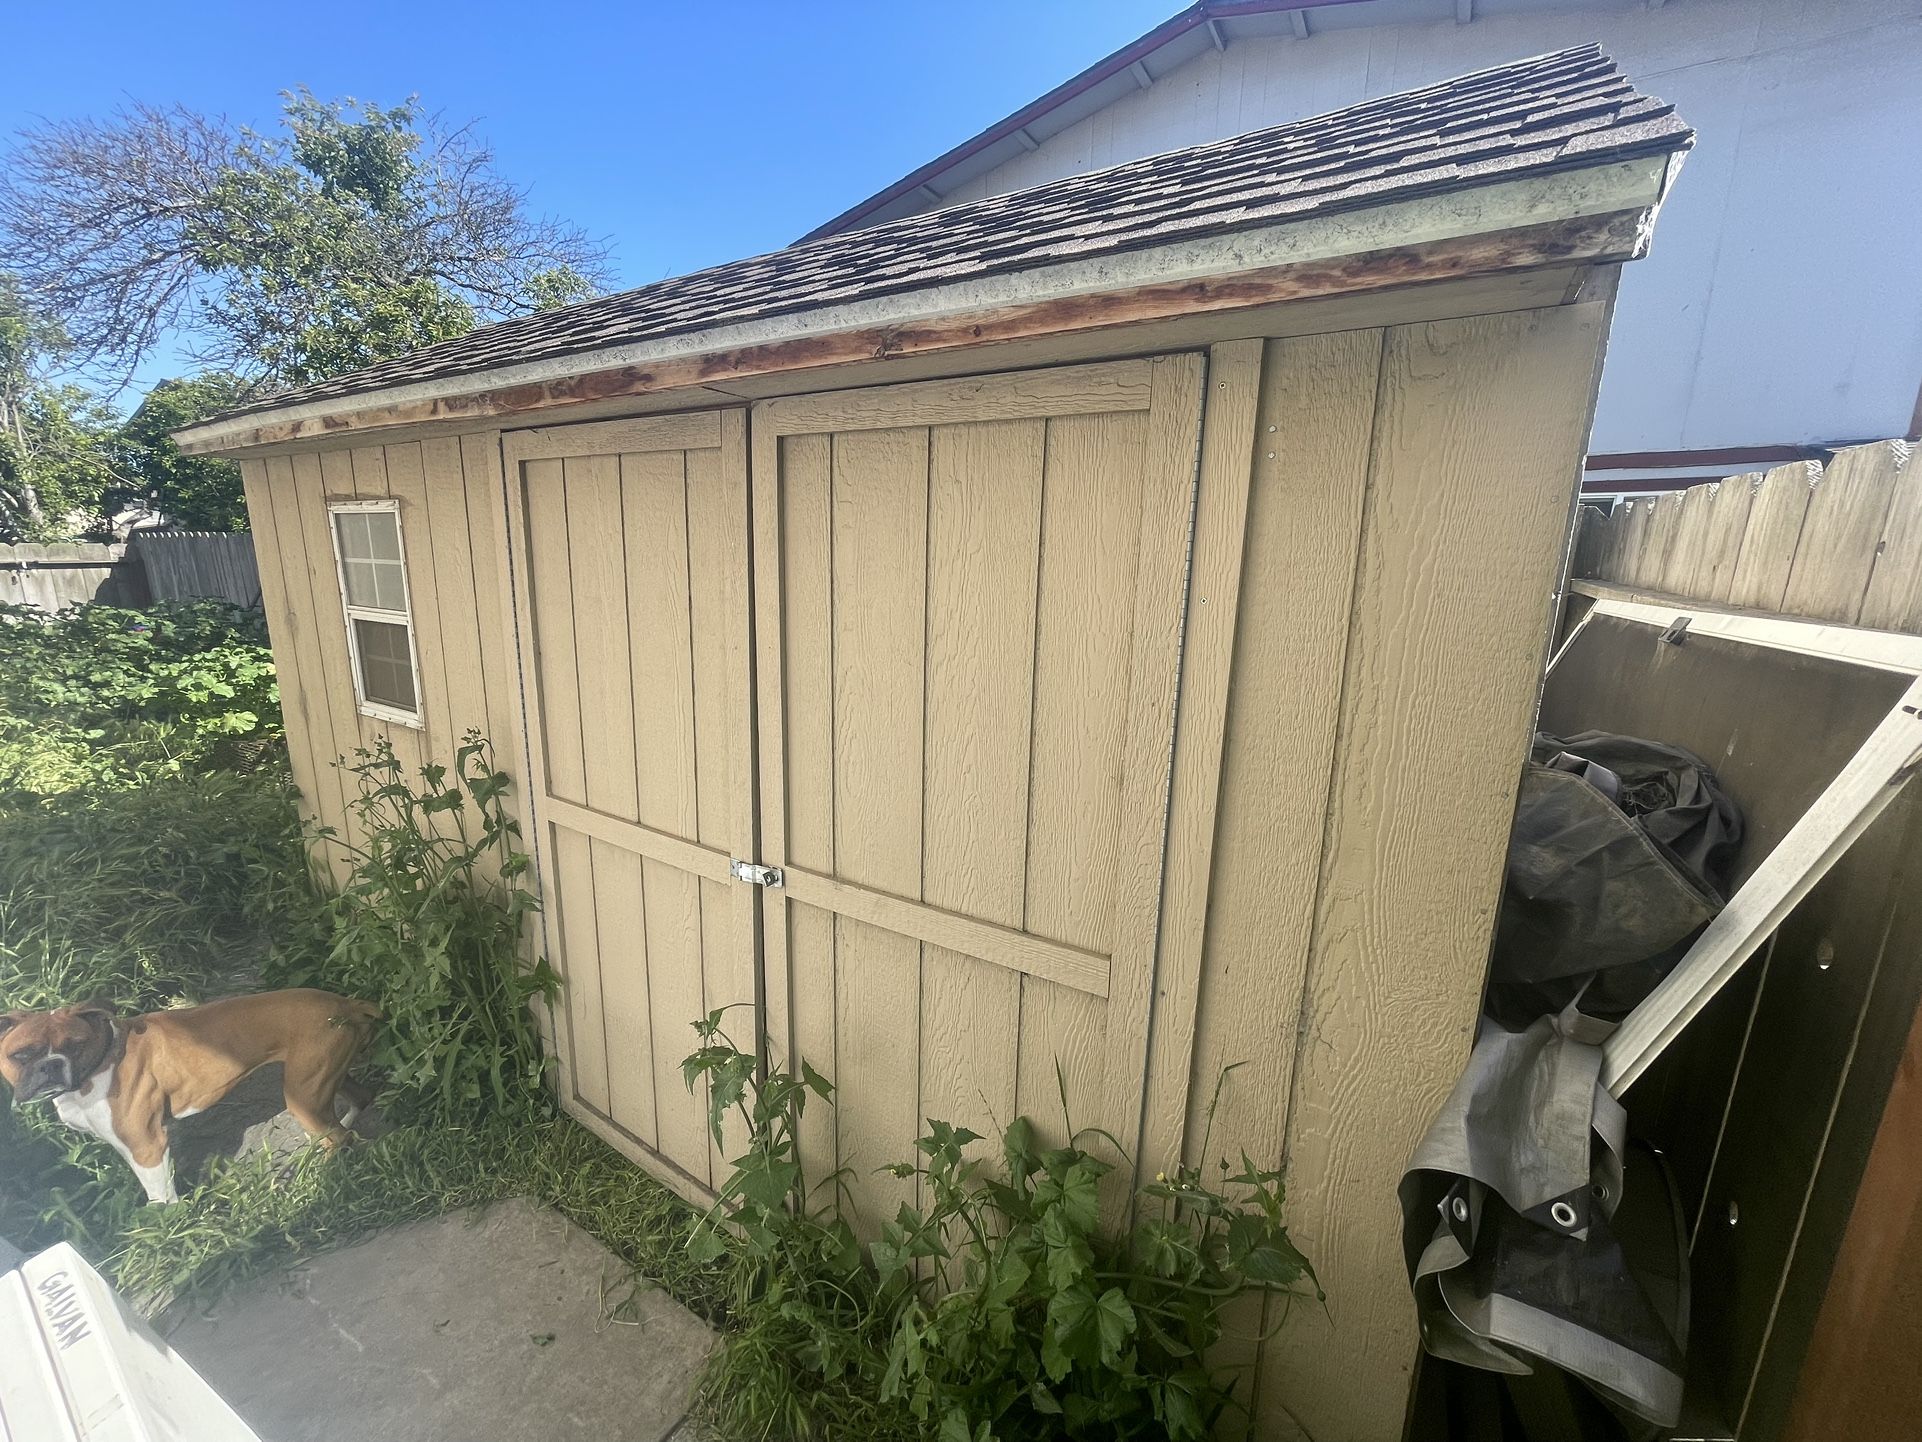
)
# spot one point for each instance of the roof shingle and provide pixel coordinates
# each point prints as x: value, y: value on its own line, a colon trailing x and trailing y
x: 1531, y: 117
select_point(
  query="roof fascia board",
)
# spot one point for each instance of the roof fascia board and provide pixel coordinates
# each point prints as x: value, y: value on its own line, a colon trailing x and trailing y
x: 1634, y: 185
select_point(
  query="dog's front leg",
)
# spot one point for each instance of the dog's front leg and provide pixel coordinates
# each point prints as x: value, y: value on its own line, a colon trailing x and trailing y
x: 157, y: 1179
x: 150, y: 1154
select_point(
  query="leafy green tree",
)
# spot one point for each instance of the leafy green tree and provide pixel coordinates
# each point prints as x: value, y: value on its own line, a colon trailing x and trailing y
x: 354, y: 233
x: 200, y: 493
x: 57, y: 441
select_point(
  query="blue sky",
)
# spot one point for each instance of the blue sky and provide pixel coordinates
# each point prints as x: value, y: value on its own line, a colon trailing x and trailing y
x: 685, y: 134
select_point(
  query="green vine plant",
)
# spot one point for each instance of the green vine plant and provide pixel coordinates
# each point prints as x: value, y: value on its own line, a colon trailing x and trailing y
x: 428, y: 926
x: 1004, y: 1307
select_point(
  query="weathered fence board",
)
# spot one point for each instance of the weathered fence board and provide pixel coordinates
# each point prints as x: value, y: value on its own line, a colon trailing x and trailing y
x: 153, y: 566
x: 50, y: 577
x: 181, y: 565
x: 1835, y: 542
x: 1893, y: 601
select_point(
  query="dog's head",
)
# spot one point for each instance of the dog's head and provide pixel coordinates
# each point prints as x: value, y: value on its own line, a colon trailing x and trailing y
x: 44, y: 1053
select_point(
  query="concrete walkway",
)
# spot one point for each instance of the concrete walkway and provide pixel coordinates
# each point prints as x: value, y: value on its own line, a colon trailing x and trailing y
x: 474, y: 1327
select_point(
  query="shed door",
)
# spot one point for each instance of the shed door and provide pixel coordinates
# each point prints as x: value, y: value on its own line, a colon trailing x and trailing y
x: 968, y: 602
x: 630, y: 543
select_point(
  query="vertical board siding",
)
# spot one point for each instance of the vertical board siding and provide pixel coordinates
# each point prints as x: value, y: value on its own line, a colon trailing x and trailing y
x: 1478, y: 437
x: 1169, y: 462
x: 1220, y: 533
x: 984, y: 540
x: 794, y: 509
x: 289, y: 619
x: 880, y: 512
x: 1310, y: 472
x: 1310, y: 478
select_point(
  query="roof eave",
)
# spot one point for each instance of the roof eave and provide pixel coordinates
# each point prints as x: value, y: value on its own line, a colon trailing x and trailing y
x: 1595, y: 213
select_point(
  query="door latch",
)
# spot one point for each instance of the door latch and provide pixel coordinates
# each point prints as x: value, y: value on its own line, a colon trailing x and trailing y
x: 754, y: 873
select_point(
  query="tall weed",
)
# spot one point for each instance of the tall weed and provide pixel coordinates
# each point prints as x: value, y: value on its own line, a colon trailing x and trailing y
x: 1003, y: 1308
x: 428, y: 926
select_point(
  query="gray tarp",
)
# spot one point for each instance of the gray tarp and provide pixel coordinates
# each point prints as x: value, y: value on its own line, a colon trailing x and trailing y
x: 1511, y: 1206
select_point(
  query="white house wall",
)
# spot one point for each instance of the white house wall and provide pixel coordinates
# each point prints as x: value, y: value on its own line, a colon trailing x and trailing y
x: 1782, y: 303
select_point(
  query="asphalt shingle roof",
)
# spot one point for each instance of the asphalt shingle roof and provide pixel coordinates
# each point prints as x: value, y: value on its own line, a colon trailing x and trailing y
x: 1554, y: 112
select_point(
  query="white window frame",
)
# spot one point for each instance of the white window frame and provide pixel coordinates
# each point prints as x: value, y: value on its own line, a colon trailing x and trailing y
x: 351, y: 613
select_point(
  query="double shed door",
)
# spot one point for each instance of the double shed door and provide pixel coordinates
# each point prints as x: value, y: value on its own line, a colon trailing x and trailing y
x: 967, y: 601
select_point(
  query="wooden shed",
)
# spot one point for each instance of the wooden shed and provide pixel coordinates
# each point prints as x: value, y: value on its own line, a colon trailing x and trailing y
x: 1096, y: 626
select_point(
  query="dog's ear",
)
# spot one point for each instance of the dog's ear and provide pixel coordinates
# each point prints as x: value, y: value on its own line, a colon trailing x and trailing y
x: 9, y: 1020
x: 98, y: 1012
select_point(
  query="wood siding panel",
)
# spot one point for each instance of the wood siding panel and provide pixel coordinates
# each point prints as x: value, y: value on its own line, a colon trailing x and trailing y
x: 596, y: 571
x: 1304, y: 528
x: 407, y: 483
x: 1090, y: 530
x: 1478, y: 444
x: 880, y: 508
x: 316, y: 479
x: 1310, y: 434
x: 290, y: 625
x: 795, y: 493
x: 576, y: 922
x: 494, y: 622
x: 627, y: 926
x: 717, y: 605
x: 984, y: 542
x: 463, y: 662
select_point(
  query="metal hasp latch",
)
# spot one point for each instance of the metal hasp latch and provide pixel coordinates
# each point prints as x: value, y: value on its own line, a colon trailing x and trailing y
x: 754, y: 873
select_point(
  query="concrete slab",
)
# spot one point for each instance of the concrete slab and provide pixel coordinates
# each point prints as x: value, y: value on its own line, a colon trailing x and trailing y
x: 477, y: 1325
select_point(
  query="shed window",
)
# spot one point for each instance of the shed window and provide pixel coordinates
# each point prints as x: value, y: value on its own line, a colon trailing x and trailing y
x: 380, y: 626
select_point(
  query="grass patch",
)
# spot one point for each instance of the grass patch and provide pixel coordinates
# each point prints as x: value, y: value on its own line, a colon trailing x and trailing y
x: 175, y: 890
x: 255, y: 1216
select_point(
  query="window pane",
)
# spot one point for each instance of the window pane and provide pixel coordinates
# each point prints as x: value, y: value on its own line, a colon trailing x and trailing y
x: 383, y: 534
x: 390, y: 586
x: 361, y: 587
x: 386, y: 667
x: 351, y: 528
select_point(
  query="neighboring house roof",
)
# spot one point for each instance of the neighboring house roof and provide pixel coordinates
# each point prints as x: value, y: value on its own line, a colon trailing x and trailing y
x: 1533, y: 117
x: 1136, y: 65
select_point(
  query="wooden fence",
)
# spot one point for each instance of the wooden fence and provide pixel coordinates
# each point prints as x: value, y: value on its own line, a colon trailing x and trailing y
x: 1836, y: 542
x: 155, y: 566
x: 183, y: 564
x: 49, y: 577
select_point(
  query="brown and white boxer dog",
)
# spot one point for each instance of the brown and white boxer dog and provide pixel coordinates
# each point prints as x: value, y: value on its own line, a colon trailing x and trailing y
x: 125, y: 1080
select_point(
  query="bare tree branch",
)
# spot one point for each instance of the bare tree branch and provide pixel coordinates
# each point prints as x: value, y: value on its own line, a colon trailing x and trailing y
x: 358, y: 232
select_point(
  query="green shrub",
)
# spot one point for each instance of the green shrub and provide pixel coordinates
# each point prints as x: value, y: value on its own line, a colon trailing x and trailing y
x: 807, y: 1321
x: 96, y: 695
x: 428, y: 927
x: 1003, y: 1310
